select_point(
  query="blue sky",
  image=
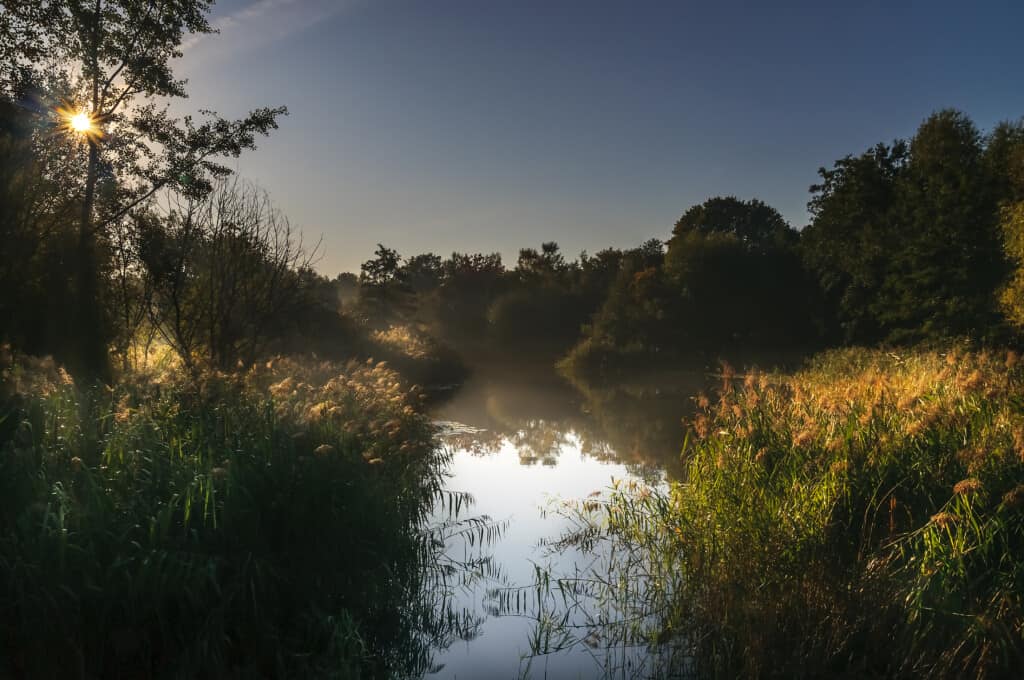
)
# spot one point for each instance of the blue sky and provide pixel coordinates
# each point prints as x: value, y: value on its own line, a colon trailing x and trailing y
x: 489, y: 125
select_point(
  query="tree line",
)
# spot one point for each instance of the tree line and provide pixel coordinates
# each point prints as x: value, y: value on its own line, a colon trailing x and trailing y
x: 909, y: 241
x: 133, y: 231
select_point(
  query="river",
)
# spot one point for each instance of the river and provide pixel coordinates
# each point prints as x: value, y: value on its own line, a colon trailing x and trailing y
x: 522, y: 441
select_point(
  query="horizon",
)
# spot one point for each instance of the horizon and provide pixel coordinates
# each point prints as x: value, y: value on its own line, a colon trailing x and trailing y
x: 459, y: 127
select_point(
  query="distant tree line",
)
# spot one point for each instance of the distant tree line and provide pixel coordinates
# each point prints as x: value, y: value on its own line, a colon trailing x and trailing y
x: 910, y: 241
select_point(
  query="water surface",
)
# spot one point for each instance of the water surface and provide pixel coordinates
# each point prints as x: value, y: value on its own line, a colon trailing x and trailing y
x: 524, y: 440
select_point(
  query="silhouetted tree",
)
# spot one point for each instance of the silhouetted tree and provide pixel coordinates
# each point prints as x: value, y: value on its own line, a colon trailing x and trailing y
x: 112, y: 60
x: 384, y: 293
x: 753, y: 223
x: 226, y: 272
x: 905, y: 238
x: 423, y: 273
x: 36, y: 238
x: 851, y: 236
x: 738, y: 276
x: 948, y: 262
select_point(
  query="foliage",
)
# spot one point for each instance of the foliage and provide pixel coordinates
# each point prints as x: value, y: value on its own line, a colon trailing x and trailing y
x: 220, y: 272
x: 905, y: 237
x: 36, y: 230
x: 111, y: 61
x: 1012, y: 295
x: 273, y: 523
x: 862, y: 516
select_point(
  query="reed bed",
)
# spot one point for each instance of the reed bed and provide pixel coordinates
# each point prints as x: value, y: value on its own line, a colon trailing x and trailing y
x: 861, y: 517
x: 271, y: 523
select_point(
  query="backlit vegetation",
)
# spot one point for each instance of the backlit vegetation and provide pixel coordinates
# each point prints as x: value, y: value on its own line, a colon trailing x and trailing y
x: 268, y: 523
x: 862, y: 515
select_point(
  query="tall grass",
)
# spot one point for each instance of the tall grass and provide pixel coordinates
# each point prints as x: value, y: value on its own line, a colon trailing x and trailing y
x: 863, y: 517
x: 268, y: 524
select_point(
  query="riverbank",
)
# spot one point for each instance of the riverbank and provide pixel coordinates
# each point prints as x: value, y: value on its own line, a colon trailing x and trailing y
x: 861, y: 516
x: 270, y: 523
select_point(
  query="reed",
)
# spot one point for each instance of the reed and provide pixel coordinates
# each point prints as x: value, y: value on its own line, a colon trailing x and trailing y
x: 860, y: 517
x: 272, y: 523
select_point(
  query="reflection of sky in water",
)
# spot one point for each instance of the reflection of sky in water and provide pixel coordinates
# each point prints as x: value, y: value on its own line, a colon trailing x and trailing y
x: 505, y: 489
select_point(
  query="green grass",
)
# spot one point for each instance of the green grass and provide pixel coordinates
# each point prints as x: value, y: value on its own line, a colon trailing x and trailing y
x: 863, y: 517
x: 271, y: 524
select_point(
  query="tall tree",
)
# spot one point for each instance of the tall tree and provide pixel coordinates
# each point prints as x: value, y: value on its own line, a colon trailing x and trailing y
x: 110, y: 62
x: 752, y: 222
x: 948, y: 262
x: 738, y: 279
x: 852, y: 235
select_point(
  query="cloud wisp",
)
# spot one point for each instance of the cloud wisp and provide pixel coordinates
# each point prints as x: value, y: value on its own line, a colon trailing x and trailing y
x: 256, y: 25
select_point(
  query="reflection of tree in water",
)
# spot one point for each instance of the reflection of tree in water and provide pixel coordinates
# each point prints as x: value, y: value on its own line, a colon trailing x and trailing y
x: 639, y: 426
x: 541, y: 416
x: 539, y: 441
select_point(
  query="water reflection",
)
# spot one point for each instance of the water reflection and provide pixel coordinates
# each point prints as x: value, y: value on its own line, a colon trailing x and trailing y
x: 542, y: 415
x: 524, y: 443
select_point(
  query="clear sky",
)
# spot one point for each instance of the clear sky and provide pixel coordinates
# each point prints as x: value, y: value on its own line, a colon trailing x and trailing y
x: 489, y: 125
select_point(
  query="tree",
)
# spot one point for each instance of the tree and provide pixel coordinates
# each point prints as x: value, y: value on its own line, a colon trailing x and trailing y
x: 738, y: 278
x: 753, y: 223
x: 943, y: 276
x: 423, y: 272
x: 37, y: 242
x: 384, y: 293
x: 1011, y: 297
x: 546, y: 264
x: 226, y: 273
x: 110, y: 62
x: 852, y: 235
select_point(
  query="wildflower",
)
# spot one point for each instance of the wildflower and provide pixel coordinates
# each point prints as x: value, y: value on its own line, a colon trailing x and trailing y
x: 324, y: 450
x: 839, y: 467
x: 942, y: 519
x: 967, y: 486
x: 703, y: 402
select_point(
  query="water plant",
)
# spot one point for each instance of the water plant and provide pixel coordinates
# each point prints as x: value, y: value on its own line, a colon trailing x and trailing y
x: 862, y: 516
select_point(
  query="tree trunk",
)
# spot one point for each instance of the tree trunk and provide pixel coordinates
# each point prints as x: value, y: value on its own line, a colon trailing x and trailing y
x: 93, y: 363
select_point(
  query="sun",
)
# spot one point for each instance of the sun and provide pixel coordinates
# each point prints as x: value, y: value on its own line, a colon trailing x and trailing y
x: 80, y: 122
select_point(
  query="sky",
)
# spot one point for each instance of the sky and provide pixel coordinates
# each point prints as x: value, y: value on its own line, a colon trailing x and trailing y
x: 492, y: 125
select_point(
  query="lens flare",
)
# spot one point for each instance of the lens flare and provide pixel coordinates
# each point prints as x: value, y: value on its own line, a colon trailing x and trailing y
x: 81, y: 122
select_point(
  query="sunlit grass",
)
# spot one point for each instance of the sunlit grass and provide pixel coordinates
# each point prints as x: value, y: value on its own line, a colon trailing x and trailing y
x: 862, y: 516
x: 270, y: 523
